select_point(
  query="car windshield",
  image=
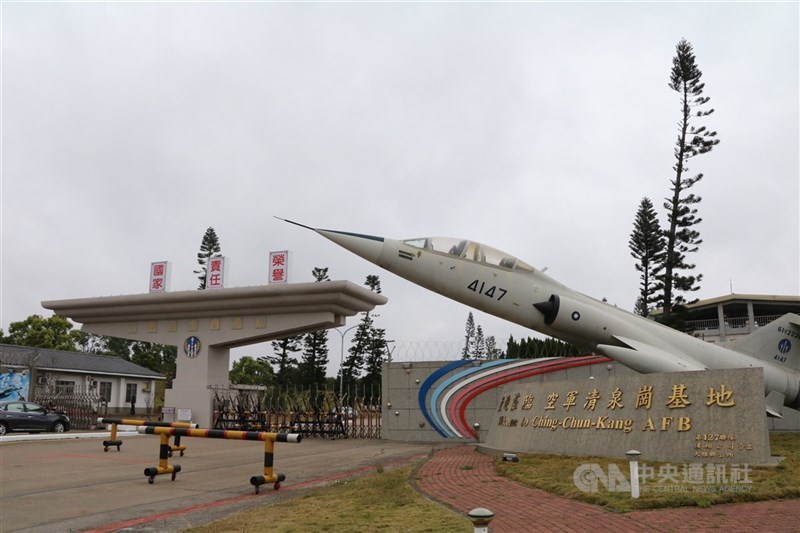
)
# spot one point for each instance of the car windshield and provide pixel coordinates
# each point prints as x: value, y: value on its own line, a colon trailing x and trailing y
x: 470, y: 250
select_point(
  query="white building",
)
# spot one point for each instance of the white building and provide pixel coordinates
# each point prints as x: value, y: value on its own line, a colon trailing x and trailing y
x: 30, y: 372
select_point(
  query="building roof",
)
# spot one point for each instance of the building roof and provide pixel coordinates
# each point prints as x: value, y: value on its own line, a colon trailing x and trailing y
x: 60, y: 360
x: 774, y: 299
x: 736, y: 305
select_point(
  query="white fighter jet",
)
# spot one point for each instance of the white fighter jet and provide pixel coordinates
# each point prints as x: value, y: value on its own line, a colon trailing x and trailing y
x: 500, y: 284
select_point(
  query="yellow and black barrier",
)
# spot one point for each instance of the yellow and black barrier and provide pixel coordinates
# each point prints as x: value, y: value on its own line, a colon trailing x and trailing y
x: 269, y: 449
x: 177, y: 447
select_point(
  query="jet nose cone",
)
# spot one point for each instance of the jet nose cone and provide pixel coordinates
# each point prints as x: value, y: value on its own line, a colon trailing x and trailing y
x: 367, y: 246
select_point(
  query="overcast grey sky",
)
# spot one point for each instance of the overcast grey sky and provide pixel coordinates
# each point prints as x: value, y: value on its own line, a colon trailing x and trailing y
x: 129, y: 128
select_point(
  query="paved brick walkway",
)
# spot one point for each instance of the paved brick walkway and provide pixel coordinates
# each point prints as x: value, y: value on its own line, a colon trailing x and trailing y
x: 463, y: 479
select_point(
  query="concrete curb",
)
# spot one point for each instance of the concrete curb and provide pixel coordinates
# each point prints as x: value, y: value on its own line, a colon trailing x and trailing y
x: 70, y: 435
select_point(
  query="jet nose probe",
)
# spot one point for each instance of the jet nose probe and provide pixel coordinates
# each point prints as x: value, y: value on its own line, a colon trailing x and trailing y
x: 367, y: 246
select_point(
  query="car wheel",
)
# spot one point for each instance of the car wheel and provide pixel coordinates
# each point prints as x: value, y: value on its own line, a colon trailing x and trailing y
x: 3, y: 429
x: 58, y: 427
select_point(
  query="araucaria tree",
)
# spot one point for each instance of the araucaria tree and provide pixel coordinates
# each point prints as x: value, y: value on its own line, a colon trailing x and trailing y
x: 469, y: 338
x: 315, y: 348
x: 692, y: 141
x: 647, y: 247
x: 209, y: 248
x: 368, y: 349
x: 283, y: 358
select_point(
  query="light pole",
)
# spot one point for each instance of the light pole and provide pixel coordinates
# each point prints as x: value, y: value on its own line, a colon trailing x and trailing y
x: 341, y: 358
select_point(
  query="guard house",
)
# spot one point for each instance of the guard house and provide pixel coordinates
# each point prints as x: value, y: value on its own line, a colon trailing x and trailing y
x: 205, y: 325
x: 732, y: 316
x: 27, y: 372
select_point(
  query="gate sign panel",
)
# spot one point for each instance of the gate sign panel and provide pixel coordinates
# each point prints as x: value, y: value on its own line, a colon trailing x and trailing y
x: 215, y: 274
x: 279, y: 267
x: 159, y: 276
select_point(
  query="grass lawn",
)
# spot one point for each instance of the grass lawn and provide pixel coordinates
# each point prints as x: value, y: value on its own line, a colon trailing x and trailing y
x: 384, y: 501
x: 553, y: 473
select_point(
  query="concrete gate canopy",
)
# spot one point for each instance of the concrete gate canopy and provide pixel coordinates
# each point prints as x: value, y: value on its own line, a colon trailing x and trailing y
x: 206, y: 324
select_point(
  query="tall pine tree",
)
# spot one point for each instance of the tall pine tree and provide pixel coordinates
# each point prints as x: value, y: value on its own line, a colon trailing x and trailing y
x: 374, y: 343
x: 469, y: 338
x: 647, y: 247
x: 315, y: 348
x: 692, y: 141
x: 283, y: 359
x: 209, y: 247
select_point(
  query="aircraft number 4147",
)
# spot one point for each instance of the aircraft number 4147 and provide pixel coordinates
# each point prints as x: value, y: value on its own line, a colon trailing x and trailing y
x: 490, y: 292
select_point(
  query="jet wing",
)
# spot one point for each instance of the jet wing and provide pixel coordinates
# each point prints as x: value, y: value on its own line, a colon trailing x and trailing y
x: 646, y: 358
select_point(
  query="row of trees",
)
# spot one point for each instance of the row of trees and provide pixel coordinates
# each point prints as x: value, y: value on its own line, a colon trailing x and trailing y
x: 476, y: 345
x: 661, y: 253
x: 58, y: 333
x: 361, y: 367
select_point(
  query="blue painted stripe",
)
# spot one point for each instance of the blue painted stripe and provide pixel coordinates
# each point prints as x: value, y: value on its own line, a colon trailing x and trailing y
x: 452, y: 379
x: 428, y: 383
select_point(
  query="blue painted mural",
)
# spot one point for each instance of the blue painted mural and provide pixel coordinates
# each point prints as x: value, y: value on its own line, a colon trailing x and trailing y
x: 14, y: 385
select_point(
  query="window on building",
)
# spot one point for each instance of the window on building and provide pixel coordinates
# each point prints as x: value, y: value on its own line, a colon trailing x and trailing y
x: 105, y: 390
x: 130, y: 392
x: 65, y: 387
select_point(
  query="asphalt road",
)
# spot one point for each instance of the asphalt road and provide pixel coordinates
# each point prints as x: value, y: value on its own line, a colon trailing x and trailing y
x: 73, y: 485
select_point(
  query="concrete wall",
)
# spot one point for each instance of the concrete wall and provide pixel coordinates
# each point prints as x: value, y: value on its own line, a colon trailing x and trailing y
x: 403, y: 419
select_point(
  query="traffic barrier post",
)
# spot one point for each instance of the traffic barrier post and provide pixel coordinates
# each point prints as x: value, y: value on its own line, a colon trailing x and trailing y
x: 269, y: 449
x: 138, y: 422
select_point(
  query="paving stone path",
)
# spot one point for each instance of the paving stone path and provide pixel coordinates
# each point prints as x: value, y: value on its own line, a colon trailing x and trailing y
x: 463, y: 478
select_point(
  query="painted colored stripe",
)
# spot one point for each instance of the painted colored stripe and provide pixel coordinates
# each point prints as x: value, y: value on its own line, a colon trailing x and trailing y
x: 428, y: 383
x: 548, y: 365
x: 453, y: 379
x: 512, y: 366
x: 570, y: 362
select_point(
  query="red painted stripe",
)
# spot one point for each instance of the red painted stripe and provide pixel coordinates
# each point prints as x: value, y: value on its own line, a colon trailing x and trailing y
x: 538, y: 370
x: 496, y: 374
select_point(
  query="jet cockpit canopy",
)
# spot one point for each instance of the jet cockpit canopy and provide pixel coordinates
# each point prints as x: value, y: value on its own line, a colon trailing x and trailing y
x: 470, y: 250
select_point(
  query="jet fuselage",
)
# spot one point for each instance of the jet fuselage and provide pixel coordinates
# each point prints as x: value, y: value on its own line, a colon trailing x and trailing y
x: 487, y: 279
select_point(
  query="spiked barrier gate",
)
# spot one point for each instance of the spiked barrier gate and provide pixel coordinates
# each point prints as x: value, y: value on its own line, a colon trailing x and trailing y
x: 309, y: 411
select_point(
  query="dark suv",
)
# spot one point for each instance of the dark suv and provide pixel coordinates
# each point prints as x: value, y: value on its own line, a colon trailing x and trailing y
x: 27, y: 416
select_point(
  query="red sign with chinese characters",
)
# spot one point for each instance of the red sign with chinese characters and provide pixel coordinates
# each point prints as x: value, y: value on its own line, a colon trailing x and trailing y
x: 279, y: 267
x: 159, y: 276
x: 215, y: 273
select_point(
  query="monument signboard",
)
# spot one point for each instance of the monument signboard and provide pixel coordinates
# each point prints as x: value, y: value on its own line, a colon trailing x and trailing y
x: 715, y: 416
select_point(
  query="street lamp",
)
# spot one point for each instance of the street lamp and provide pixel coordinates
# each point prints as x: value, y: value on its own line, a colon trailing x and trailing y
x: 341, y: 358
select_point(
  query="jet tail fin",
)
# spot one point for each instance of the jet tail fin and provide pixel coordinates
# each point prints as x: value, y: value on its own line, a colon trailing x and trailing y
x: 777, y: 342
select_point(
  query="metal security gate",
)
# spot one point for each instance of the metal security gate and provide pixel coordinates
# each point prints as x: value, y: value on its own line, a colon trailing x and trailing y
x: 311, y: 411
x: 83, y: 407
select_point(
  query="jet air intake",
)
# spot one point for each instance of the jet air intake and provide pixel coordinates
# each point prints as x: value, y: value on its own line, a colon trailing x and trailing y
x: 577, y: 319
x: 549, y: 309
